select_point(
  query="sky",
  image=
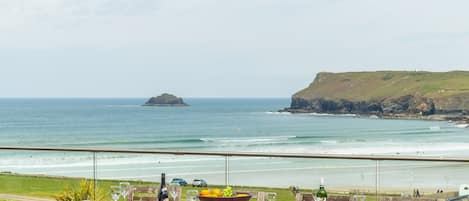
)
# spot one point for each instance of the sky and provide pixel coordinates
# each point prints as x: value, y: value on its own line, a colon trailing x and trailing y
x: 216, y: 48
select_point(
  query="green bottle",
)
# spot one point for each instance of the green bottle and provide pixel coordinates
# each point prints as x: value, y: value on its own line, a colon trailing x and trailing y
x: 321, y: 195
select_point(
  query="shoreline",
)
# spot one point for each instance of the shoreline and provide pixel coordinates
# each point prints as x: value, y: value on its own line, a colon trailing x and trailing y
x: 459, y: 119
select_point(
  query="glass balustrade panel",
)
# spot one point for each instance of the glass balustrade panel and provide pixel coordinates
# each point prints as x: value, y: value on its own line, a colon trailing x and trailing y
x: 43, y: 174
x: 354, y: 179
x: 193, y: 173
x: 418, y: 180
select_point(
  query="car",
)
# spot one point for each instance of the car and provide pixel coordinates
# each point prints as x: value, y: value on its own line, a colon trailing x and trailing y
x: 179, y: 181
x: 199, y: 183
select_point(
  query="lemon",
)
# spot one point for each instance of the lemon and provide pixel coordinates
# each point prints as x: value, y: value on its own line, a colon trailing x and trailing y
x: 217, y: 192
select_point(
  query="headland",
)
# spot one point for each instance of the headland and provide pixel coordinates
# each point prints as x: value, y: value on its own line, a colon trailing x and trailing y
x: 387, y: 94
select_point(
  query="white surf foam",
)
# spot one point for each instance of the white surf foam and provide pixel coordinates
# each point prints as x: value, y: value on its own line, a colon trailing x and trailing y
x: 461, y: 125
x: 364, y: 148
x: 248, y: 139
x: 45, y: 161
x: 277, y: 113
x: 328, y: 141
x: 329, y: 114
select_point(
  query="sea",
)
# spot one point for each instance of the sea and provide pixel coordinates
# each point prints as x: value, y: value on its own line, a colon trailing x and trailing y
x: 226, y: 124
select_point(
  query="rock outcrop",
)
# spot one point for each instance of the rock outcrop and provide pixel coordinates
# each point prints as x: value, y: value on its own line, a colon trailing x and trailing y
x: 401, y: 105
x: 165, y: 100
x: 385, y: 93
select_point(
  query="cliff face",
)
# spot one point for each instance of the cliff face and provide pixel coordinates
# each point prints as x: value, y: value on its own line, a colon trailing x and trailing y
x: 165, y: 100
x: 385, y: 92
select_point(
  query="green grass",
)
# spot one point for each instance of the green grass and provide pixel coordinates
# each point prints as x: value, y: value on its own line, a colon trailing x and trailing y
x: 38, y: 186
x: 365, y: 86
x: 31, y: 185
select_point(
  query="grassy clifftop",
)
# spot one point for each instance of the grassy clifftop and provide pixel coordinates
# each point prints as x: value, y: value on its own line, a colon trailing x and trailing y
x: 382, y: 84
x: 447, y: 90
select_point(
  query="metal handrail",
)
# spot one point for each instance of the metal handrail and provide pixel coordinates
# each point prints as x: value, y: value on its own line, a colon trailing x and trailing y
x: 243, y: 154
x: 458, y: 198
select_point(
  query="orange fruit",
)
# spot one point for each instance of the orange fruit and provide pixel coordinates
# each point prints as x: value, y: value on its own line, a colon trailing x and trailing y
x: 204, y: 192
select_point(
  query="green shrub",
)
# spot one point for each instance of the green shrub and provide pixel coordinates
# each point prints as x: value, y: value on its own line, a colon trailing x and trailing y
x: 387, y: 76
x: 86, y: 191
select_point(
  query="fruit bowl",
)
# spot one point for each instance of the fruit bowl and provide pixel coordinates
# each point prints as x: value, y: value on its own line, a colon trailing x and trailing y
x: 239, y: 197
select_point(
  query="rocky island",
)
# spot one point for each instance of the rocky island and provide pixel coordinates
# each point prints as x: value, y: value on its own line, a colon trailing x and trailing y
x: 165, y: 100
x: 387, y: 94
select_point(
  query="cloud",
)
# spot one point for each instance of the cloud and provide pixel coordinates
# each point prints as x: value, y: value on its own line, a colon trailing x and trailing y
x: 78, y: 8
x: 257, y: 41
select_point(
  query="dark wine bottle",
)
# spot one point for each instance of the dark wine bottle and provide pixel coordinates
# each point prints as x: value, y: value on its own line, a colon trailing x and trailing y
x: 321, y: 195
x: 163, y: 191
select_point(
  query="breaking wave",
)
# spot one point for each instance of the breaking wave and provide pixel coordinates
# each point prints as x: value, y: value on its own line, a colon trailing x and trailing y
x: 249, y: 139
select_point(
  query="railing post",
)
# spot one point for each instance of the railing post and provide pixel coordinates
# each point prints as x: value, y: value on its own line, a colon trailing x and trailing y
x: 95, y: 169
x: 226, y: 170
x: 377, y: 180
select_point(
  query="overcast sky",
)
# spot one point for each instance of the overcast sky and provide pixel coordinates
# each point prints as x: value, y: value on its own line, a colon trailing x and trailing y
x: 216, y: 48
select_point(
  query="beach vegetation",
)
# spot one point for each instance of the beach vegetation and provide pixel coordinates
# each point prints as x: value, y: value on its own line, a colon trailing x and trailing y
x: 85, y: 191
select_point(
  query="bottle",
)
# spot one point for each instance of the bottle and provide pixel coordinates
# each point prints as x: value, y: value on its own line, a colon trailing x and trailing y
x: 321, y: 195
x: 163, y: 191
